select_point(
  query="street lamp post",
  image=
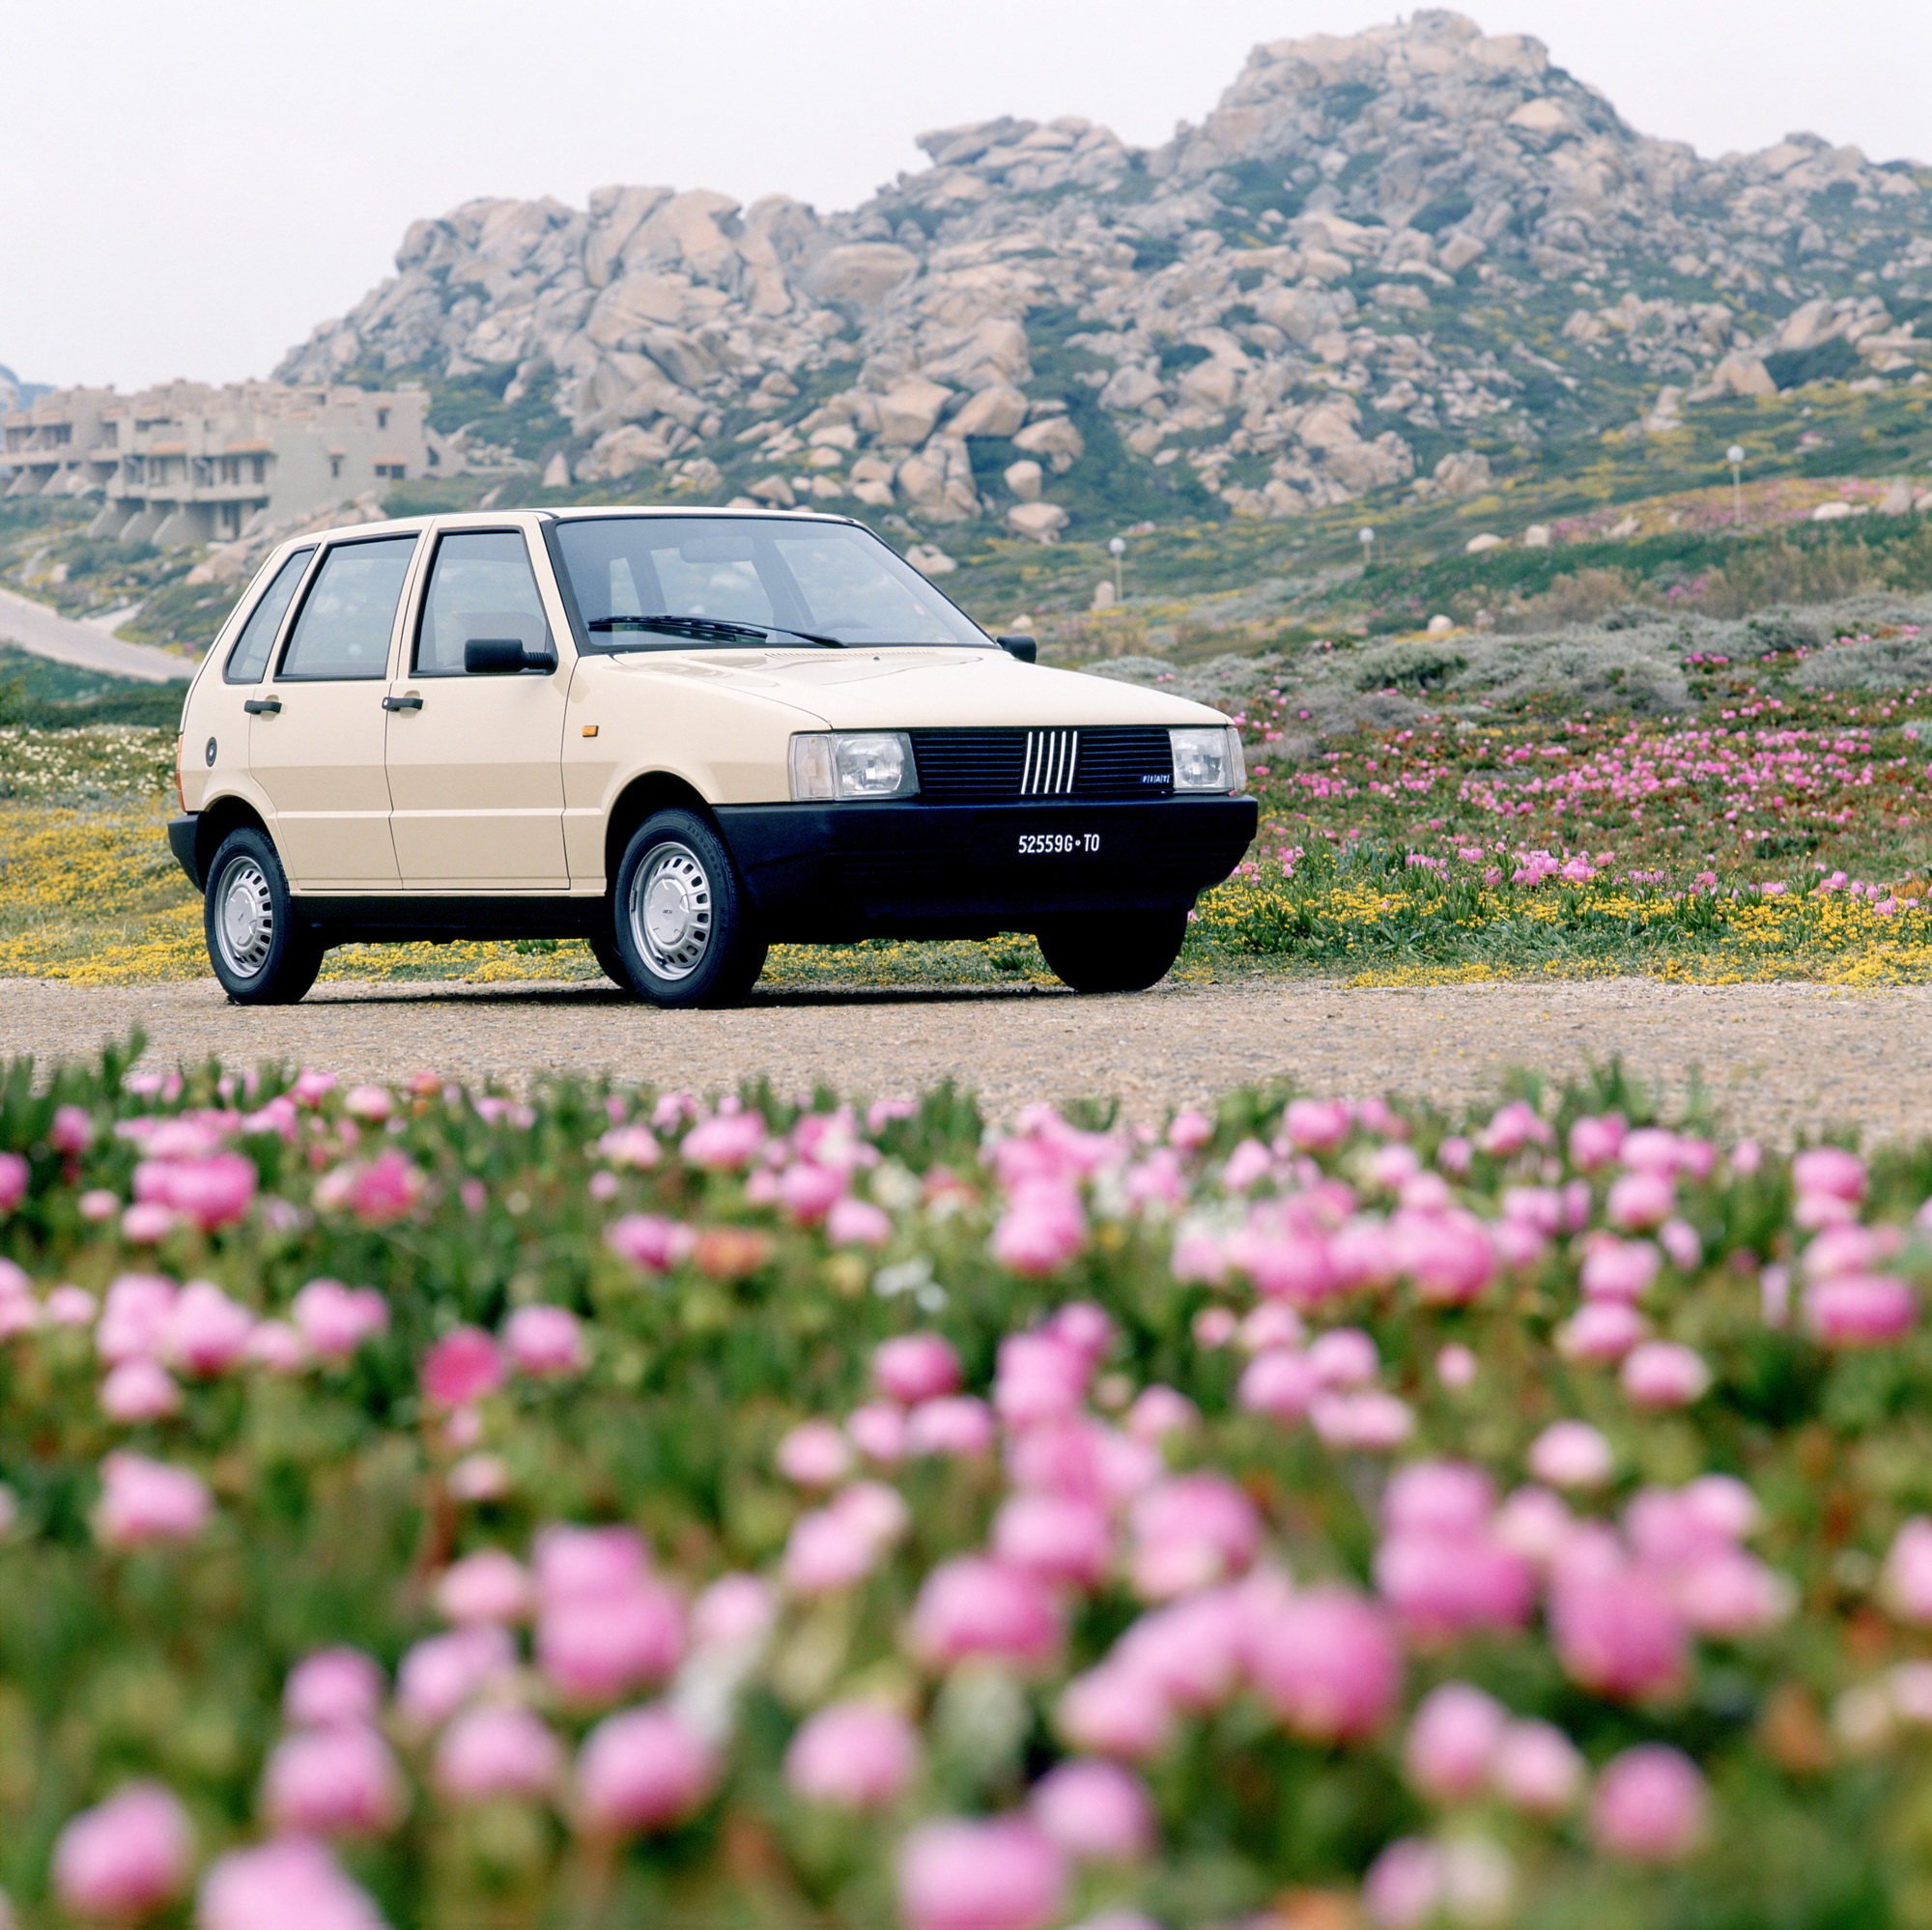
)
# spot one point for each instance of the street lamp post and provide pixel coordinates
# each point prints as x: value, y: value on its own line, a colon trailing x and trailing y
x: 1735, y: 456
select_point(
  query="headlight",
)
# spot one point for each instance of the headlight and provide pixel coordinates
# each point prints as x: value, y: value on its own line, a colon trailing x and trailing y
x: 1206, y: 761
x: 833, y: 764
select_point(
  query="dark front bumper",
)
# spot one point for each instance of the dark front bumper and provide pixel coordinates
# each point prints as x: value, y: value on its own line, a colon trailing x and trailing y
x: 181, y: 841
x: 831, y: 873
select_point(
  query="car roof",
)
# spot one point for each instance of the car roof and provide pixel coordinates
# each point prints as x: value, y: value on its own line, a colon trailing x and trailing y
x: 495, y: 519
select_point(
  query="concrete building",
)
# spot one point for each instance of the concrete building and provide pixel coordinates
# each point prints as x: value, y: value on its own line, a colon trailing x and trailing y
x: 185, y: 462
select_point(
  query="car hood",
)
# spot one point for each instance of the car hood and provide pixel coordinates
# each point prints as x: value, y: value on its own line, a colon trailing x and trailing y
x: 913, y: 689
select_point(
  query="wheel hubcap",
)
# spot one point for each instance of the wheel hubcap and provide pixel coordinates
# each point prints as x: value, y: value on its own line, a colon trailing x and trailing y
x: 244, y: 924
x: 672, y: 911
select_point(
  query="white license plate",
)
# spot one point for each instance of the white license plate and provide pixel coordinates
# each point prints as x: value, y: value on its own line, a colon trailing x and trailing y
x: 1059, y: 844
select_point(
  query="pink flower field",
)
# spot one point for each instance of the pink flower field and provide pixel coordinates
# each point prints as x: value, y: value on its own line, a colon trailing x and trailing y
x: 427, y: 1507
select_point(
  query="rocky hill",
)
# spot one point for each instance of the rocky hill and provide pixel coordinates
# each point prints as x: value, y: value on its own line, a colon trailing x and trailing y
x: 1398, y: 264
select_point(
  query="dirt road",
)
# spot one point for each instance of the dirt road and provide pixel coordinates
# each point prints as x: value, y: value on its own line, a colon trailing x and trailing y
x: 1778, y: 1060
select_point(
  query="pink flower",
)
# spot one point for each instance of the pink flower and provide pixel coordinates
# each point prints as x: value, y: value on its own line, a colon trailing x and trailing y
x: 1829, y: 1172
x: 276, y: 1346
x: 858, y: 1223
x: 649, y: 1240
x: 1345, y: 1357
x: 1116, y: 1710
x: 955, y: 1424
x: 442, y: 1672
x: 544, y: 1341
x: 736, y: 1611
x: 134, y: 1319
x: 69, y: 1306
x: 1619, y: 1269
x: 1596, y: 1142
x: 1572, y: 1454
x: 1906, y: 1583
x: 1160, y: 1412
x: 292, y: 1884
x: 332, y: 1689
x: 1451, y: 1742
x: 147, y: 1223
x: 998, y: 1875
x: 206, y: 1331
x: 486, y: 1586
x: 1439, y: 1497
x: 878, y: 1431
x: 126, y: 1857
x: 1328, y: 1663
x: 1040, y: 1377
x: 725, y: 1143
x: 462, y: 1366
x: 332, y: 1782
x: 828, y: 1550
x: 1191, y: 1650
x: 595, y: 1649
x: 1404, y: 1885
x: 1535, y: 1523
x: 1441, y: 1585
x: 854, y: 1755
x: 1374, y: 1421
x: 1094, y: 1811
x: 1043, y: 1227
x: 311, y: 1087
x: 71, y: 1133
x: 815, y: 1454
x: 646, y: 1769
x: 490, y: 1751
x: 1649, y: 1805
x: 385, y: 1189
x: 145, y: 1502
x: 1659, y: 1373
x: 1537, y: 1769
x: 1190, y: 1532
x: 1860, y: 1309
x: 970, y: 1608
x: 335, y: 1319
x: 371, y: 1104
x: 576, y: 1564
x: 916, y: 1368
x: 212, y: 1192
x: 1640, y: 1201
x: 1615, y: 1630
x: 138, y: 1390
x: 1447, y: 1255
x: 1601, y: 1332
x: 1057, y: 1537
x: 1280, y: 1381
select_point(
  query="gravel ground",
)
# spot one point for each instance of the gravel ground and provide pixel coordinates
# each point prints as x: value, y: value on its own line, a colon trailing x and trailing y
x: 1777, y: 1060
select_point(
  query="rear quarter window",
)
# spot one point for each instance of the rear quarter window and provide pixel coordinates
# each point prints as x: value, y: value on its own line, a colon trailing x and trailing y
x: 252, y: 649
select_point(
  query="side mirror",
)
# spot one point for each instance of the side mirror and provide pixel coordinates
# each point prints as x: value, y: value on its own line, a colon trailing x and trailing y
x: 500, y: 656
x: 1021, y: 646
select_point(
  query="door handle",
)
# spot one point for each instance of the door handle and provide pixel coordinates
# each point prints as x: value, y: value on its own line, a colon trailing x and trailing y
x: 402, y: 703
x: 262, y: 706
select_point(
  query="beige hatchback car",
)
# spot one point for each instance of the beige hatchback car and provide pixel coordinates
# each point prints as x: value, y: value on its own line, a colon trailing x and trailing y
x: 682, y: 736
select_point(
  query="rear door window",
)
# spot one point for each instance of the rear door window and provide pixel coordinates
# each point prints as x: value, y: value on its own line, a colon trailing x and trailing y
x: 250, y: 657
x: 344, y: 628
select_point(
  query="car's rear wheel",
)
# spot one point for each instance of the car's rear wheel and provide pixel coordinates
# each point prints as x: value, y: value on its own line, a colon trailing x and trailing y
x: 262, y: 952
x: 1115, y: 952
x: 682, y: 923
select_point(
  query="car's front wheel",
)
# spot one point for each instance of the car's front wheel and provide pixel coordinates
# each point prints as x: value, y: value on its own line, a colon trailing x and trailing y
x: 1115, y: 952
x: 261, y: 952
x: 683, y: 925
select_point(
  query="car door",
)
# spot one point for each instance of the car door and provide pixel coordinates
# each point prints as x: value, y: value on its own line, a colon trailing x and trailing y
x: 319, y: 753
x: 474, y: 756
x: 227, y: 706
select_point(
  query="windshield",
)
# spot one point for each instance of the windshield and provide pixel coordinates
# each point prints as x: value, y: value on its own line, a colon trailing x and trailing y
x: 726, y: 582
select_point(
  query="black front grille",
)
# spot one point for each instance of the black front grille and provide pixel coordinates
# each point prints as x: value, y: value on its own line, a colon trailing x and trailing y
x: 999, y: 766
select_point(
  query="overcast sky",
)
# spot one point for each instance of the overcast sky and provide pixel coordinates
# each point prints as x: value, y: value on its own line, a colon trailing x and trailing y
x: 187, y: 187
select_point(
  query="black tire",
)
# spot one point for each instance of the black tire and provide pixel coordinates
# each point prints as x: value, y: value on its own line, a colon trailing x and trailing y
x: 1116, y: 951
x: 681, y: 918
x: 260, y: 950
x: 610, y: 961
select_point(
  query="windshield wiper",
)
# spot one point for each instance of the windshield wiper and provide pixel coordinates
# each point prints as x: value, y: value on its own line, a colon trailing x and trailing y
x: 709, y: 629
